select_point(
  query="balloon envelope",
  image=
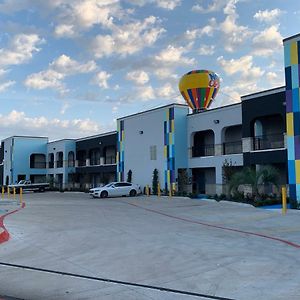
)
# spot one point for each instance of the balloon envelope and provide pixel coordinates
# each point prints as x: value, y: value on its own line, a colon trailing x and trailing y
x: 199, y: 88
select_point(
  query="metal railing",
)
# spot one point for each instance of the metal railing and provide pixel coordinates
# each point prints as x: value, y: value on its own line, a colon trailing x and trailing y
x: 38, y: 165
x: 270, y: 141
x: 232, y: 147
x: 59, y: 164
x: 110, y: 160
x: 203, y: 150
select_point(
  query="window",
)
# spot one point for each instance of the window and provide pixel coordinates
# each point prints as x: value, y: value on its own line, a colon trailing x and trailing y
x: 153, y: 152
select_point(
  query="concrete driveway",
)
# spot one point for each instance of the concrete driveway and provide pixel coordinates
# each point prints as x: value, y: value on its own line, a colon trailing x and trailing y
x: 217, y: 250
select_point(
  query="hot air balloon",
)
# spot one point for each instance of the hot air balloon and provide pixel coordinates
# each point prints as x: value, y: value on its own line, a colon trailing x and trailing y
x: 199, y: 88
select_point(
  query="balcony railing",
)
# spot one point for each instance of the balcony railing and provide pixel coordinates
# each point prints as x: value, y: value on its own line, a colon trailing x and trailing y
x: 203, y: 150
x: 95, y: 162
x: 232, y: 147
x: 109, y: 160
x: 271, y: 141
x: 38, y: 165
x: 81, y: 163
x: 59, y: 164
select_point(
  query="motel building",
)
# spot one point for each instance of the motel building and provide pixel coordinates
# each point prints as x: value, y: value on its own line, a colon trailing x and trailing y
x: 188, y: 149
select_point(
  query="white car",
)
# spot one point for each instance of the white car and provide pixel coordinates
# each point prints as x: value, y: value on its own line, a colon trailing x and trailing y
x: 116, y: 189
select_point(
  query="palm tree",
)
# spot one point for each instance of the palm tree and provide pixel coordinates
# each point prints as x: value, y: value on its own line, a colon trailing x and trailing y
x: 265, y: 175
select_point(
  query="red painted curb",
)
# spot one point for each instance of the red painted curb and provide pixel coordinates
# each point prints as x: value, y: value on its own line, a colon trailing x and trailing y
x: 220, y: 227
x: 4, y: 235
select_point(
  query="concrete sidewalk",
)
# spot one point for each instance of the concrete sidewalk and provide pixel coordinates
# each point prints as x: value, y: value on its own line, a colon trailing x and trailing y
x: 224, y: 249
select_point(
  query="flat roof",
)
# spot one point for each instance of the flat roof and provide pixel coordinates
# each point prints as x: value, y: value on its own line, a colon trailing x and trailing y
x: 264, y: 93
x: 153, y: 109
x: 56, y: 141
x: 26, y: 136
x: 216, y: 108
x: 291, y: 37
x: 96, y: 135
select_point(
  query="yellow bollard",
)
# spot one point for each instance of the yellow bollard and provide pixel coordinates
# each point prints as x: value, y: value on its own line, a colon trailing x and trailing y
x: 147, y: 190
x: 14, y: 192
x: 21, y: 196
x: 283, y: 191
x: 8, y: 192
x: 158, y: 189
x: 3, y: 191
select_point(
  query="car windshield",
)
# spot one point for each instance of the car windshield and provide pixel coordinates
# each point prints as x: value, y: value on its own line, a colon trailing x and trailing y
x: 109, y: 184
x: 21, y: 181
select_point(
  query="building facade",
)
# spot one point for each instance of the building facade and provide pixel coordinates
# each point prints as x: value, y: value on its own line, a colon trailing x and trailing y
x: 154, y: 139
x: 96, y: 160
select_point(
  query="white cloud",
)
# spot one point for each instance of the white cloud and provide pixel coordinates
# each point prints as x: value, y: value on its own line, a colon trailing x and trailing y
x: 234, y: 34
x: 168, y: 4
x: 214, y: 6
x: 267, y: 16
x: 60, y: 68
x: 246, y: 75
x: 17, y: 122
x: 64, y: 108
x: 267, y: 42
x: 77, y: 16
x: 167, y: 91
x: 206, y: 50
x: 21, y: 49
x: 139, y: 77
x: 65, y: 65
x: 101, y: 79
x: 173, y: 54
x: 128, y: 39
x: 5, y: 85
x: 145, y: 93
x: 199, y: 32
x: 64, y: 30
x: 45, y: 79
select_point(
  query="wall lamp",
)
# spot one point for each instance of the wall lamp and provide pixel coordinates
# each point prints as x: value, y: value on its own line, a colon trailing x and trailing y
x: 216, y: 121
x: 141, y: 132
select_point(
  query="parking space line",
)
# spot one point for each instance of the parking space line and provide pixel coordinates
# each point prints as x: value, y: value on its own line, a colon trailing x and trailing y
x: 289, y: 243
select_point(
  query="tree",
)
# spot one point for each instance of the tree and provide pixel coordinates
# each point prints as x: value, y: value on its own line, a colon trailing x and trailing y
x: 155, y: 182
x: 266, y: 175
x: 129, y: 176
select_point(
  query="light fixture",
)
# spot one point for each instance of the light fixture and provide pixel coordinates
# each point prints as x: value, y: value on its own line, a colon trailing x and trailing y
x: 141, y: 132
x: 216, y: 121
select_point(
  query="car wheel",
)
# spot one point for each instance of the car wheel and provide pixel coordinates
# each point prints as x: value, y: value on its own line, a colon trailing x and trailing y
x: 104, y: 194
x: 132, y: 193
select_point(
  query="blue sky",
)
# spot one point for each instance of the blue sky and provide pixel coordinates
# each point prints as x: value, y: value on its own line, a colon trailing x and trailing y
x: 70, y: 68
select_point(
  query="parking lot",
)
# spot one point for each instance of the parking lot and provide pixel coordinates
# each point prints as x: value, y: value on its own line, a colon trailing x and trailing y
x: 214, y: 250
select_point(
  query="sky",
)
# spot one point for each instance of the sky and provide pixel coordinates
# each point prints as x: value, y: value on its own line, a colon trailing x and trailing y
x: 70, y: 68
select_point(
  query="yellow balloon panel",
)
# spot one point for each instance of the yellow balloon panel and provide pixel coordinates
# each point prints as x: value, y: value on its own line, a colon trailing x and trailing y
x: 199, y: 88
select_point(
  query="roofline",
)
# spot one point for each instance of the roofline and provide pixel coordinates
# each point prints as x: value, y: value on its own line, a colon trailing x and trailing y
x: 26, y: 136
x: 264, y: 93
x: 291, y: 37
x: 152, y: 109
x: 96, y: 135
x: 216, y: 108
x: 56, y: 141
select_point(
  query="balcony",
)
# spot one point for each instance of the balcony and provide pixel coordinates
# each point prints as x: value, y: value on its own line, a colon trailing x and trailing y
x: 59, y: 164
x: 232, y: 147
x: 271, y: 141
x: 38, y: 165
x: 110, y: 160
x: 203, y: 150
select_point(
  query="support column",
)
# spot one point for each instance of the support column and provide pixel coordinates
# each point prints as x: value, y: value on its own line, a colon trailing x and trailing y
x: 291, y: 61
